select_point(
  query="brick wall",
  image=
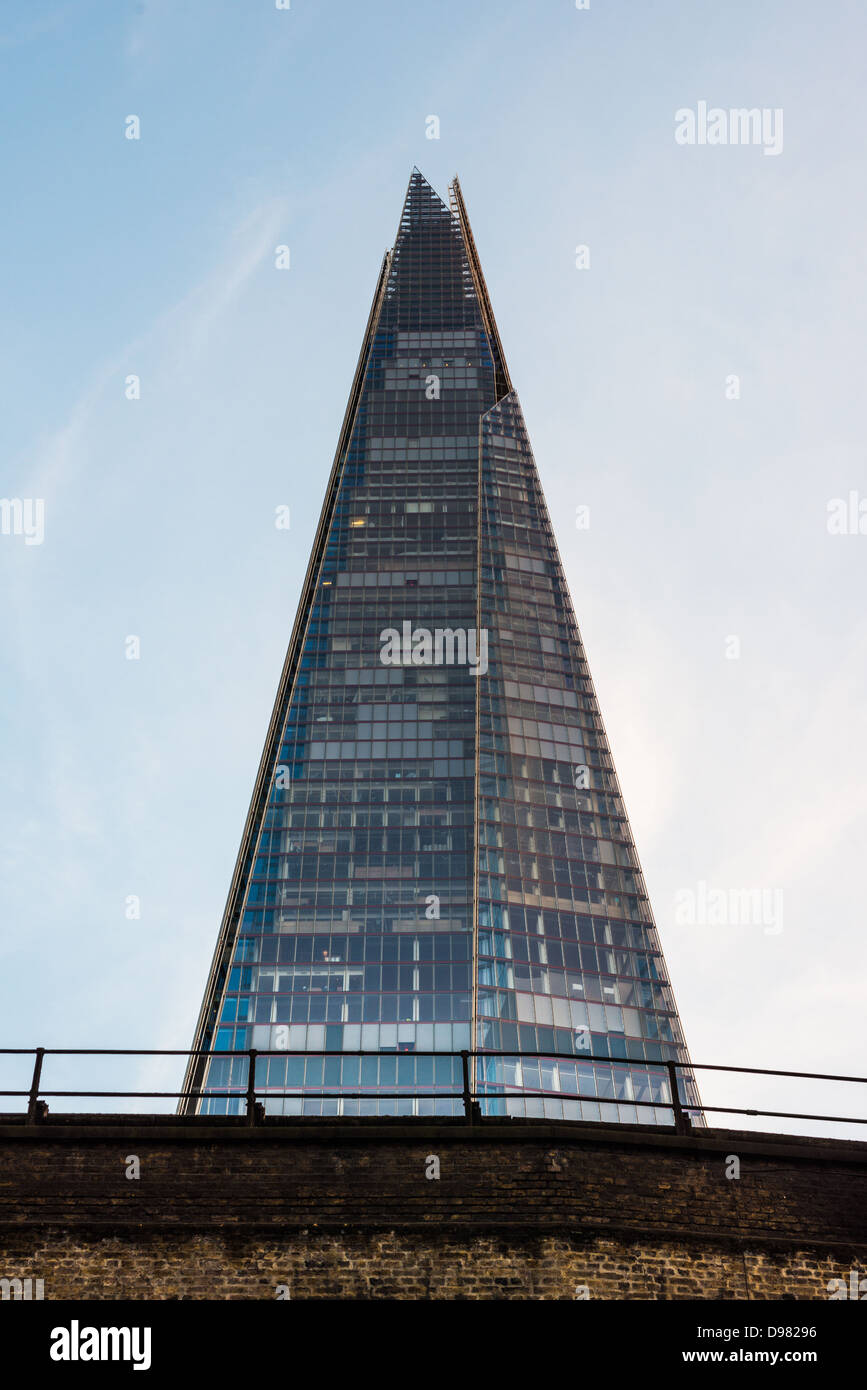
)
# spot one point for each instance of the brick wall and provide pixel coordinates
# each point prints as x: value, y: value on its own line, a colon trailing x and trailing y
x: 346, y: 1210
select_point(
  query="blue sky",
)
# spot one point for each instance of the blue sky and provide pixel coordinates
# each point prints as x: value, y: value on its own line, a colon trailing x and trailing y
x: 708, y: 515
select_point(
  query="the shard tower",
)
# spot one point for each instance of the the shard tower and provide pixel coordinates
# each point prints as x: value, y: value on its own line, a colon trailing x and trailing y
x: 437, y: 856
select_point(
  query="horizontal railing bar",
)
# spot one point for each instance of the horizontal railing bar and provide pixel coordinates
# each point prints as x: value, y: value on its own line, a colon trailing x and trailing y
x: 690, y: 1109
x: 378, y: 1093
x: 382, y: 1091
x: 379, y: 1052
x: 309, y: 1093
x: 767, y: 1071
x: 684, y: 1066
x: 237, y: 1094
x: 240, y: 1092
x: 124, y: 1052
x: 491, y: 1090
x: 782, y: 1114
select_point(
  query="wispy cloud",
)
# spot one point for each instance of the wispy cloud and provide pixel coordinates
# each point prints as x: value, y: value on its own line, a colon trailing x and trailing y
x: 178, y: 333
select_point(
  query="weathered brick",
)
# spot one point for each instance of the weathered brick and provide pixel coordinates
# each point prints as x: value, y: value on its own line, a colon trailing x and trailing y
x: 343, y: 1210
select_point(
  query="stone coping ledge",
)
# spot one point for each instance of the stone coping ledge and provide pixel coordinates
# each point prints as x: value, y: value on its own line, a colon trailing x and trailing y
x: 158, y: 1128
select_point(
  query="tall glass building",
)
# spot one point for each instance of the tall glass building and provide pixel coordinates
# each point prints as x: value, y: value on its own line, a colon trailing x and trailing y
x: 437, y: 856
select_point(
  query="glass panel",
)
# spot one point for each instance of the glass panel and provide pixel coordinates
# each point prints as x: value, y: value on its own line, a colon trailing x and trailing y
x: 425, y: 627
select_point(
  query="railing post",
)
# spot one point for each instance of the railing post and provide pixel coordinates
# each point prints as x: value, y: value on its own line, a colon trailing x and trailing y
x: 681, y: 1119
x: 34, y: 1086
x: 251, y: 1087
x: 467, y: 1097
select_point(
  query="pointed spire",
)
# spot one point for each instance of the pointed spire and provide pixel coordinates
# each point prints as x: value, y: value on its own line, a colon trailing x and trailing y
x: 430, y: 280
x: 502, y: 379
x: 421, y: 202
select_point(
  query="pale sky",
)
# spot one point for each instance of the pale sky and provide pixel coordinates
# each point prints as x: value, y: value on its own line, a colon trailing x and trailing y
x: 708, y: 515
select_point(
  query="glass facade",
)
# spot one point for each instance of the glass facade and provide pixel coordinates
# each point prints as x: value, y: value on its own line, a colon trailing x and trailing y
x: 437, y: 856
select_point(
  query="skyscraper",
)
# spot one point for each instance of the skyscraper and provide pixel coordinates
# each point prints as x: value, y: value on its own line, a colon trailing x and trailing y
x: 437, y: 856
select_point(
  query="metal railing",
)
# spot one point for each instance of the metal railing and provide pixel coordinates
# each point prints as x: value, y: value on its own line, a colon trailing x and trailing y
x: 469, y: 1095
